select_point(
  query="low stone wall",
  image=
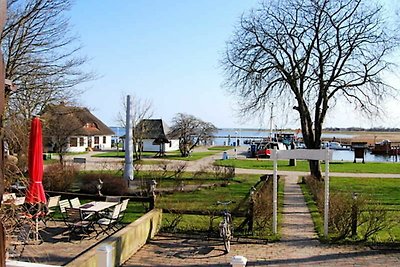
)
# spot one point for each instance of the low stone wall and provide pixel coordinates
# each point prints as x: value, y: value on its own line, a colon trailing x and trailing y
x: 125, y: 242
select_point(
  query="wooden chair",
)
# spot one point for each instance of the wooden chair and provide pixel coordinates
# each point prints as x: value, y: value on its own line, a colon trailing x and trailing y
x: 109, y: 222
x: 75, y: 202
x: 64, y: 204
x: 76, y: 223
x: 124, y: 206
x: 19, y: 201
x: 52, y: 203
x: 8, y: 197
x: 113, y: 199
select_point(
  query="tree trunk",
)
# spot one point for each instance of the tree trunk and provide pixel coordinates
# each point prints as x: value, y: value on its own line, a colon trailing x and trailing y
x: 315, y: 169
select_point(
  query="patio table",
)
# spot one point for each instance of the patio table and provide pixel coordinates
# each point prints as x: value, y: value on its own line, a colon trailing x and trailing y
x: 97, y: 206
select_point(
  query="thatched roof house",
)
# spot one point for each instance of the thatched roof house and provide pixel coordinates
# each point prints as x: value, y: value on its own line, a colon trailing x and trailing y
x: 85, y: 131
x: 154, y: 135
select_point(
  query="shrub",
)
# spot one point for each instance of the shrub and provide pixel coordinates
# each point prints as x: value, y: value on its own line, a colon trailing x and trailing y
x: 59, y: 177
x: 262, y: 209
x: 374, y: 219
x: 112, y: 184
x: 179, y: 170
x: 340, y: 215
x: 344, y: 208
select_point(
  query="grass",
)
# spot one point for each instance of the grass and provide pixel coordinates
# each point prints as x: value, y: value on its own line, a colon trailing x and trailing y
x: 204, y: 201
x: 379, y: 190
x: 302, y: 165
x: 315, y: 215
x: 220, y: 148
x: 382, y: 190
x: 173, y: 155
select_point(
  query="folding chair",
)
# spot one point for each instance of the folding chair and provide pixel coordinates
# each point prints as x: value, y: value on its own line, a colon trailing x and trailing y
x: 124, y: 206
x: 19, y: 201
x: 109, y: 222
x: 113, y: 199
x: 75, y: 202
x: 64, y: 204
x: 76, y: 223
x: 52, y: 202
x: 8, y: 197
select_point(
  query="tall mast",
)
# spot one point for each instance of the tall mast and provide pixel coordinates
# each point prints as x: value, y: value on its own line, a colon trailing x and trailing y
x: 270, y: 121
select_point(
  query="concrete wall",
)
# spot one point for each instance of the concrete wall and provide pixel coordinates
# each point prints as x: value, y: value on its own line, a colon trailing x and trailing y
x: 125, y: 242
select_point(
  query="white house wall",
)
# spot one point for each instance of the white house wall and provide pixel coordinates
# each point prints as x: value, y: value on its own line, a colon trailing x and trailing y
x: 149, y: 147
x: 174, y: 145
x: 82, y: 148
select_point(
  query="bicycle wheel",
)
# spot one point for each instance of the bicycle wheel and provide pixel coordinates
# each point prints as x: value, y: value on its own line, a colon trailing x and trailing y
x: 227, y: 237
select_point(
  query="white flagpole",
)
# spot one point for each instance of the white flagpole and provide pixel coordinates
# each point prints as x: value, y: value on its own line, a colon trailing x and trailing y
x: 128, y: 170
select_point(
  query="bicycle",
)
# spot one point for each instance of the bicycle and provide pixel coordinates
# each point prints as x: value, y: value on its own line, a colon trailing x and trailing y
x: 225, y: 226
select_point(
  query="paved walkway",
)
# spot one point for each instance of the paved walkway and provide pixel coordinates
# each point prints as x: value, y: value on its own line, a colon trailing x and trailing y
x: 298, y: 247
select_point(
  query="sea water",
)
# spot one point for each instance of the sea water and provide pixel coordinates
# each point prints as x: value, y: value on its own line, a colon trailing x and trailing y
x: 230, y: 136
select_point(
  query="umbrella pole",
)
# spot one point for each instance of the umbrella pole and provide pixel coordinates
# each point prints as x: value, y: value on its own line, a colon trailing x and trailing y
x: 37, y: 228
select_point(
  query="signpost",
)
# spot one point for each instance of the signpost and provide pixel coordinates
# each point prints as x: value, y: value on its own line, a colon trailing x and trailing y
x: 307, y: 154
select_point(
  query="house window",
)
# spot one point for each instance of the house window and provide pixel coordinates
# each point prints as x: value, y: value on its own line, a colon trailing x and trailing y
x: 90, y: 125
x: 104, y: 139
x: 96, y: 140
x: 73, y: 142
x: 170, y: 144
x: 81, y: 141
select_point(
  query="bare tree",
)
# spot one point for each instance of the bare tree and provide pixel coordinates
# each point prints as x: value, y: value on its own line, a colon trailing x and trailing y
x: 41, y: 54
x: 311, y: 53
x: 60, y: 125
x: 142, y: 109
x: 190, y: 131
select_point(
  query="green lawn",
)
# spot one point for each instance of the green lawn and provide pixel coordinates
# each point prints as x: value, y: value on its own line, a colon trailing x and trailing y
x: 201, y: 200
x: 382, y: 191
x: 220, y: 148
x: 205, y: 200
x: 302, y: 165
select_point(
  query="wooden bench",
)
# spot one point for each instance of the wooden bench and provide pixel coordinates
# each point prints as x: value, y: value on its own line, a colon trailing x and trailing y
x: 80, y: 160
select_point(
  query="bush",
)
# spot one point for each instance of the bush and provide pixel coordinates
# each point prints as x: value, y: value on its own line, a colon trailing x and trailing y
x: 112, y: 184
x: 344, y: 208
x: 262, y: 210
x: 59, y: 177
x: 374, y: 219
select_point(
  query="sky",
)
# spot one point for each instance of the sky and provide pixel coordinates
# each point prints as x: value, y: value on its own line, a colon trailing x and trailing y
x: 169, y: 52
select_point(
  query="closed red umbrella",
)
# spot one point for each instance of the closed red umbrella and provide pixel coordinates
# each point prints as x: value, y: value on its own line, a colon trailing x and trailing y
x: 35, y: 193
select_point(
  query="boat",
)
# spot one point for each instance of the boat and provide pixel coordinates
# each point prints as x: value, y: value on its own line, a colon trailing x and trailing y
x: 385, y: 148
x: 335, y: 146
x: 264, y: 149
